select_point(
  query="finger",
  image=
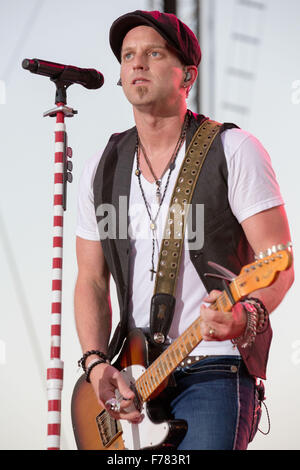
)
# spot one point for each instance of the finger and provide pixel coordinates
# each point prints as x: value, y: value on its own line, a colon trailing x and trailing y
x: 122, y: 408
x: 209, y: 315
x: 137, y: 420
x: 123, y: 388
x: 212, y: 296
x: 106, y: 395
x: 125, y: 403
x: 211, y: 332
x: 208, y: 332
x: 113, y: 406
x: 133, y: 416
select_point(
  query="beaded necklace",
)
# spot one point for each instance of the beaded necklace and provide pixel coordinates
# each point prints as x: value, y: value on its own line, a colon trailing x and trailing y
x: 170, y: 165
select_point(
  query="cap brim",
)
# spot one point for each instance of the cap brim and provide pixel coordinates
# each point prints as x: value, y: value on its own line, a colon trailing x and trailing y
x: 122, y: 25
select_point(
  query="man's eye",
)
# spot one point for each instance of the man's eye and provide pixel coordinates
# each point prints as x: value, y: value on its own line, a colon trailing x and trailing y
x: 155, y: 54
x: 127, y: 56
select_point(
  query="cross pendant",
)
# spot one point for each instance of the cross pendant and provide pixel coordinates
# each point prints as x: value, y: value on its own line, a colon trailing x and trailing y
x: 158, y: 197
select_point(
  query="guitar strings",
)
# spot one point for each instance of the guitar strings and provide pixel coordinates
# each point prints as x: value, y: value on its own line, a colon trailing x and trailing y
x: 161, y: 364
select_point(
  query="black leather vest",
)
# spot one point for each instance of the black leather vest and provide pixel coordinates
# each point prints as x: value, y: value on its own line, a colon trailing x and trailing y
x: 224, y: 240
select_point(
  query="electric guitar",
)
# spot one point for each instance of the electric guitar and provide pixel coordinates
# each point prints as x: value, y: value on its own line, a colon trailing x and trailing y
x: 92, y: 425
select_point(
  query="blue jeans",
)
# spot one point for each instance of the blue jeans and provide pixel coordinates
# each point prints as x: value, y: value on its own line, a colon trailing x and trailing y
x: 217, y: 398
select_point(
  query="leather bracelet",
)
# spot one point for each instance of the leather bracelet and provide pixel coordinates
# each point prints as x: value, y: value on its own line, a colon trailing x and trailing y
x: 91, y: 366
x: 263, y: 314
x: 81, y: 362
x: 248, y: 338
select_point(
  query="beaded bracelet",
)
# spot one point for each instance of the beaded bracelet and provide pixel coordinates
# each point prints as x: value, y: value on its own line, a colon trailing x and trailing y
x: 91, y: 366
x: 263, y: 315
x: 81, y: 362
x: 248, y: 338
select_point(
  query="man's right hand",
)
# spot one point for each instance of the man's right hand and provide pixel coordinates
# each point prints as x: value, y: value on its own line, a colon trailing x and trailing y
x: 105, y: 379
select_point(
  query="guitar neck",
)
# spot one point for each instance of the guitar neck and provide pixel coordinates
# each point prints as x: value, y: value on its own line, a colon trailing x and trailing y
x: 167, y: 362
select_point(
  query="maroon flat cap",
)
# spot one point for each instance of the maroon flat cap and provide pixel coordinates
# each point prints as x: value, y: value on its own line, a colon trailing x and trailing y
x: 174, y: 31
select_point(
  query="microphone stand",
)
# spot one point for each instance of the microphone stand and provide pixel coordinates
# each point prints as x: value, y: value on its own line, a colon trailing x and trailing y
x: 62, y: 175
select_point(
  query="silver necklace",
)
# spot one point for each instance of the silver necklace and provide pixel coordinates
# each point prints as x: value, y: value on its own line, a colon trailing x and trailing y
x: 160, y: 198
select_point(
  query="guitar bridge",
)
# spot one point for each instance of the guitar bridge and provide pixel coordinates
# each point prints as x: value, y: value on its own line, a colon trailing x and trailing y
x: 108, y: 427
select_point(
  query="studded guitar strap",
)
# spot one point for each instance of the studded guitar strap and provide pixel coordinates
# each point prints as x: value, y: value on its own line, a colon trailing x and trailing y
x: 163, y: 300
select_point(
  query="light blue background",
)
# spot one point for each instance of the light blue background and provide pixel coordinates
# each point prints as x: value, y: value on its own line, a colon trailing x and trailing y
x: 76, y: 32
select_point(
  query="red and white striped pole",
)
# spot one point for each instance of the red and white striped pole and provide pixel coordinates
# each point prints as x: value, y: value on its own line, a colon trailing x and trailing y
x: 56, y: 365
x: 63, y: 76
x: 55, y: 368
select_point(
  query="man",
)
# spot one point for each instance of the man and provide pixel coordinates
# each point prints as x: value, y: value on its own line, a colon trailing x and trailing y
x: 215, y: 390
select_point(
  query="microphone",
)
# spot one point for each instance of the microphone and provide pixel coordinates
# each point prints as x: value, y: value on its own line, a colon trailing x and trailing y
x: 89, y: 78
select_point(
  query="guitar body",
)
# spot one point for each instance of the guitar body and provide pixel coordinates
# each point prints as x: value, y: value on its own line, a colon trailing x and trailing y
x: 94, y: 429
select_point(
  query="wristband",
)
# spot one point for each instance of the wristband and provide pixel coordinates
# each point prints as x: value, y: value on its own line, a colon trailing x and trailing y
x: 81, y: 362
x: 91, y: 366
x: 263, y: 315
x: 248, y: 338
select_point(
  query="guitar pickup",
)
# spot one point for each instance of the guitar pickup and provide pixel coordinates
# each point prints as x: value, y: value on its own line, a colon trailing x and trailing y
x: 108, y: 427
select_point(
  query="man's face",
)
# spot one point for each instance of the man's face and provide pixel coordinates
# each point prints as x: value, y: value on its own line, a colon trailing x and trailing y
x: 151, y: 73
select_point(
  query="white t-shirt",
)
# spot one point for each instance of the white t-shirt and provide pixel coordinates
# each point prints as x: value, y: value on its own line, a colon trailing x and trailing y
x: 252, y: 188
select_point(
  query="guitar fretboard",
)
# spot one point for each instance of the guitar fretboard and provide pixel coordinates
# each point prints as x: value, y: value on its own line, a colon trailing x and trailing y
x: 167, y: 362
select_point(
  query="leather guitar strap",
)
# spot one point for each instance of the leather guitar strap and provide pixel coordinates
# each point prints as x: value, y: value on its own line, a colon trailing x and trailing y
x: 163, y: 300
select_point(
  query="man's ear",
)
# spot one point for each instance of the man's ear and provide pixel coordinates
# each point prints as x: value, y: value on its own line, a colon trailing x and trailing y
x: 189, y: 78
x: 190, y: 75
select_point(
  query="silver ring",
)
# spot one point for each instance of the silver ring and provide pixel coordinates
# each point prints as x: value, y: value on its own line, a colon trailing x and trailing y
x: 114, y: 404
x: 211, y: 332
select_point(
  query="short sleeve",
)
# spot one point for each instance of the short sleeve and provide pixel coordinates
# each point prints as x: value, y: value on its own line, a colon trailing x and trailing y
x: 86, y: 217
x: 252, y: 183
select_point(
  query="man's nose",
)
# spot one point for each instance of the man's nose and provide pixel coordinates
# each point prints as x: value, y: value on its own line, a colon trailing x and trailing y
x: 140, y: 62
